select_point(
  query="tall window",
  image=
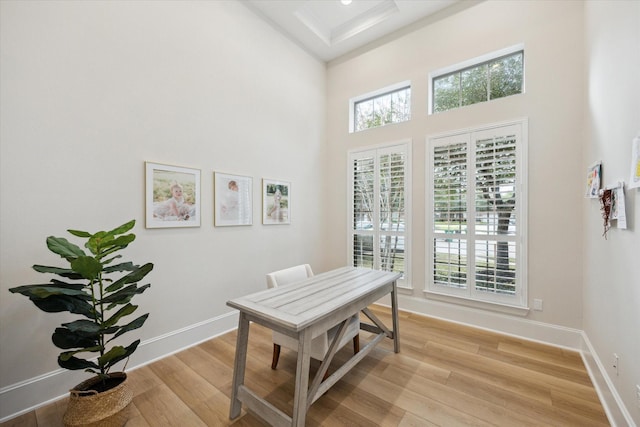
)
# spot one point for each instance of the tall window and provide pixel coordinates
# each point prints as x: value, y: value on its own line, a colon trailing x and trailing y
x: 378, y: 218
x: 501, y: 75
x: 476, y: 214
x: 382, y: 107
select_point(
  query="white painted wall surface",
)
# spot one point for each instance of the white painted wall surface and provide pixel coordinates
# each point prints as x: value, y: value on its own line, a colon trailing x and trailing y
x: 89, y: 92
x: 552, y: 34
x: 612, y: 265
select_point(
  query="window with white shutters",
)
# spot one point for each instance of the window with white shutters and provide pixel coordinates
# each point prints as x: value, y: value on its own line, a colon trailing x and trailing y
x: 378, y: 216
x: 476, y: 214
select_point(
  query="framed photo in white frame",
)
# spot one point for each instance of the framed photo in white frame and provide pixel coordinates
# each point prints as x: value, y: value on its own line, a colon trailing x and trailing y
x: 172, y: 196
x: 276, y: 202
x: 233, y: 200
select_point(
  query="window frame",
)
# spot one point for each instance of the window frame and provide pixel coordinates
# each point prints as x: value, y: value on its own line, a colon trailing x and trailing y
x: 469, y: 64
x: 379, y: 93
x: 471, y: 295
x: 377, y: 151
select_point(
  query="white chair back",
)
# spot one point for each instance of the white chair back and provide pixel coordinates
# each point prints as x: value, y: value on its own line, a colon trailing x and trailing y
x: 289, y: 275
x: 320, y: 342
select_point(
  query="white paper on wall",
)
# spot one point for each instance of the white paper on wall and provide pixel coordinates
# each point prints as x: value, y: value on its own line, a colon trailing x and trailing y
x: 618, y: 209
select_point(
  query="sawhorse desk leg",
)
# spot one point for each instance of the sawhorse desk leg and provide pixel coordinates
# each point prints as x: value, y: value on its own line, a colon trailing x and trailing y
x: 239, y: 365
x: 394, y: 314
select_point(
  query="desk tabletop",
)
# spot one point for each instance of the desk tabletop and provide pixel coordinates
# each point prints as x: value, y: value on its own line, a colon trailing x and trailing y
x: 300, y: 304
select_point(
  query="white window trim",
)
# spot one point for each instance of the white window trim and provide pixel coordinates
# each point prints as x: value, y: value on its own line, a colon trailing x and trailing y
x: 470, y: 63
x: 514, y: 305
x: 406, y: 282
x: 353, y: 101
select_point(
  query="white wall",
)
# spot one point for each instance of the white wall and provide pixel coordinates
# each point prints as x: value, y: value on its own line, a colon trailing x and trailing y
x: 575, y: 117
x: 612, y: 119
x: 89, y: 92
x: 552, y: 35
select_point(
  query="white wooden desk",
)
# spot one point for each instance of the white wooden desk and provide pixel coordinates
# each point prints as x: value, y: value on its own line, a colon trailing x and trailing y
x: 303, y: 310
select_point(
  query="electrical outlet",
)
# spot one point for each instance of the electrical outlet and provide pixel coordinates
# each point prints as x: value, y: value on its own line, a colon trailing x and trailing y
x: 537, y: 304
x: 616, y: 362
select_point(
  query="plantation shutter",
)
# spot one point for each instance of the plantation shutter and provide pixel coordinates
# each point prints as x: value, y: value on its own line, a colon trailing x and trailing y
x: 495, y: 214
x: 378, y: 216
x: 476, y: 220
x: 450, y: 170
x: 392, y: 210
x: 363, y: 169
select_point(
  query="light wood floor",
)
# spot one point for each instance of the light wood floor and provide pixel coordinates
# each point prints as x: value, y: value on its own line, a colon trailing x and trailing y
x: 445, y: 375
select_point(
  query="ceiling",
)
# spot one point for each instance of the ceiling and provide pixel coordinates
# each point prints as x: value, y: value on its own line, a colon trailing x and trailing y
x: 328, y: 29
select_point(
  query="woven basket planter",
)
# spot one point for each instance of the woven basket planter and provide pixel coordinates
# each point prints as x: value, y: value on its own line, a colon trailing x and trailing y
x: 89, y: 408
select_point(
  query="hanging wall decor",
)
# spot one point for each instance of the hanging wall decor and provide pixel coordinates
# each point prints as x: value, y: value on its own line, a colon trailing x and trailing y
x: 172, y: 196
x: 233, y: 199
x: 594, y: 176
x: 276, y: 202
x: 605, y: 208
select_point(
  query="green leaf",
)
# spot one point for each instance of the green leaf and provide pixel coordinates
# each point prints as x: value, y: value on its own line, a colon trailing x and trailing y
x: 65, y: 339
x: 125, y: 266
x: 74, y: 363
x: 67, y: 355
x: 64, y: 272
x: 47, y: 290
x: 87, y: 266
x: 60, y: 303
x: 110, y: 260
x: 108, y: 245
x: 87, y: 328
x: 124, y: 295
x: 115, y: 353
x: 128, y: 352
x: 133, y: 325
x: 79, y: 233
x: 133, y: 277
x: 123, y: 228
x: 123, y: 241
x: 124, y: 311
x: 64, y: 248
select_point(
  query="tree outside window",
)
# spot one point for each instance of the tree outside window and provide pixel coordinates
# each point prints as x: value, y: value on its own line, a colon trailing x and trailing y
x: 497, y: 78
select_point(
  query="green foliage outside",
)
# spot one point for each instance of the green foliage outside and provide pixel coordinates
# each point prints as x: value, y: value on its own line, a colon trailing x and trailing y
x: 394, y: 107
x: 491, y: 80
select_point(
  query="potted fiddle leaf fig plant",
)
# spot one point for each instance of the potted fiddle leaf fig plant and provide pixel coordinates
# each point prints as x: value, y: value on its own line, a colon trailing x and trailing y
x: 98, y: 287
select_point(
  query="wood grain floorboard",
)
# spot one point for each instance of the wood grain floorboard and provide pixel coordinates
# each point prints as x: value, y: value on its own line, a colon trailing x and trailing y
x: 445, y: 375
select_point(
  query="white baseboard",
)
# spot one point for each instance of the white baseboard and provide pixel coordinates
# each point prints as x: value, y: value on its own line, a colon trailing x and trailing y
x: 33, y: 393
x: 614, y: 407
x: 517, y: 326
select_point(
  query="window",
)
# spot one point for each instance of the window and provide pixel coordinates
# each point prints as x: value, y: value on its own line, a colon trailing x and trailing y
x: 378, y: 218
x: 476, y: 214
x: 382, y: 107
x: 501, y: 75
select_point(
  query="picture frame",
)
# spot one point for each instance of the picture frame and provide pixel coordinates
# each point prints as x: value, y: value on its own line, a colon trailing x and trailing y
x: 172, y: 195
x: 276, y: 202
x: 594, y: 179
x: 233, y: 199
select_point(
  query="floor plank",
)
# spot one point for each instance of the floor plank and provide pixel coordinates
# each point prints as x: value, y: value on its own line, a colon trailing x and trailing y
x: 445, y: 375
